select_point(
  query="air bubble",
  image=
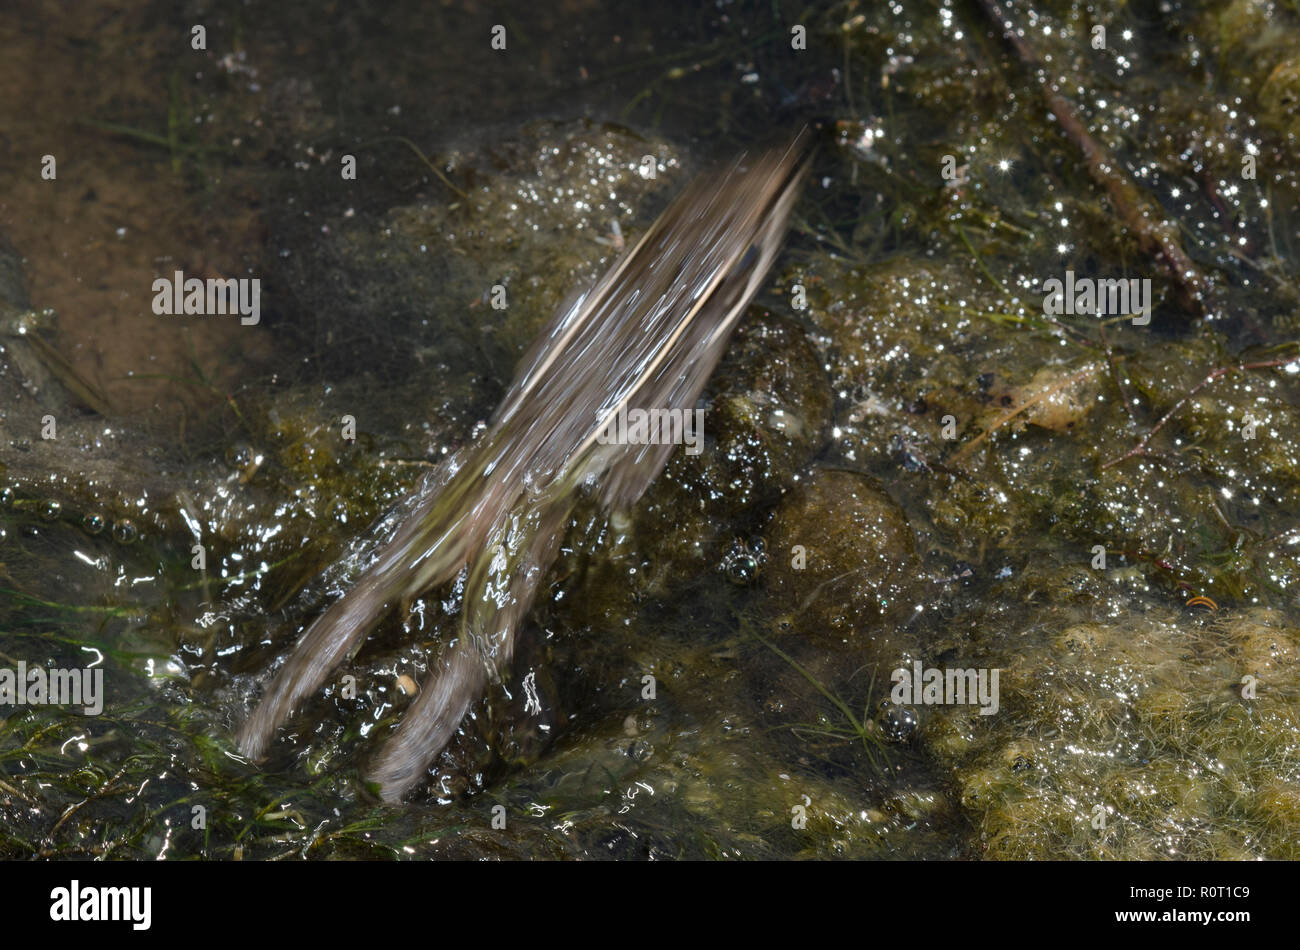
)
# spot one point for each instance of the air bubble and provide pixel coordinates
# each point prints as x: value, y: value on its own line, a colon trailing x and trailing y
x: 742, y: 562
x: 898, y: 723
x: 124, y: 532
x: 239, y: 455
x: 742, y: 569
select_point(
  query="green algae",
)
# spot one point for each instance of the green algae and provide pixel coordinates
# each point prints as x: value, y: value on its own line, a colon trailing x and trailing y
x: 1133, y: 740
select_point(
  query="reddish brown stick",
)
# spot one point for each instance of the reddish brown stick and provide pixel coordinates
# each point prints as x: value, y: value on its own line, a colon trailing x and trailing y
x: 1222, y: 371
x: 1156, y: 235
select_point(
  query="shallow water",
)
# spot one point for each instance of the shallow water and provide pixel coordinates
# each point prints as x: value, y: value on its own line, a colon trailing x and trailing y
x: 907, y: 460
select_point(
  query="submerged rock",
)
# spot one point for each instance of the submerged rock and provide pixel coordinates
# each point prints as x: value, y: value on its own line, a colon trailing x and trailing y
x: 843, y: 566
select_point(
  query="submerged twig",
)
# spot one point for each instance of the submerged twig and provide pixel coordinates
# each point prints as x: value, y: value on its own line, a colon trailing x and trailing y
x: 424, y: 158
x: 17, y: 793
x: 1155, y: 234
x: 76, y: 384
x: 1140, y: 448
